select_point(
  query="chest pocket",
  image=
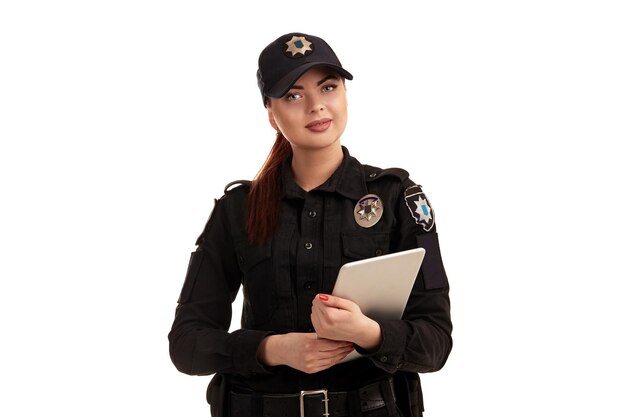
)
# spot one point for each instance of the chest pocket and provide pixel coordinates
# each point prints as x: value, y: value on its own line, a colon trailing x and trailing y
x: 259, y: 304
x: 362, y: 245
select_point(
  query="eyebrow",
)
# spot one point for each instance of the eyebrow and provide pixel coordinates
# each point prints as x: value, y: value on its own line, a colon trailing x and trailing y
x: 320, y: 82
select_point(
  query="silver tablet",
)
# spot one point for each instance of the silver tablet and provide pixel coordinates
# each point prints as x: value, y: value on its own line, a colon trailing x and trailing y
x: 380, y: 286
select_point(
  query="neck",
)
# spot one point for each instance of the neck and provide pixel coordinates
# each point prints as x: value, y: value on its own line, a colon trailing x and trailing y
x: 311, y: 168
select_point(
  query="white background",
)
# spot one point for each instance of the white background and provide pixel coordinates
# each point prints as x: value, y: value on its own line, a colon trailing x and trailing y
x: 120, y: 121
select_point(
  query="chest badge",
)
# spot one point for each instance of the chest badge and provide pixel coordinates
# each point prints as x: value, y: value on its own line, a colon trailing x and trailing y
x: 368, y: 211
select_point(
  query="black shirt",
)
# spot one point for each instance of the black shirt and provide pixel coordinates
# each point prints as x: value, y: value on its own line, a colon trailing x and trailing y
x: 317, y: 234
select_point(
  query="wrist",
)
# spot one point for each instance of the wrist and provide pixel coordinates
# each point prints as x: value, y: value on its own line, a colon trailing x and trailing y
x: 268, y: 353
x: 264, y: 354
x: 371, y: 337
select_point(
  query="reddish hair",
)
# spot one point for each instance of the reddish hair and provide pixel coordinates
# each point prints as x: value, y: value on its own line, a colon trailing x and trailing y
x: 265, y: 192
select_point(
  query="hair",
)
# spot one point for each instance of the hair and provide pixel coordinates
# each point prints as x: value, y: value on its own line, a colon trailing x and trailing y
x: 265, y: 192
x: 263, y: 209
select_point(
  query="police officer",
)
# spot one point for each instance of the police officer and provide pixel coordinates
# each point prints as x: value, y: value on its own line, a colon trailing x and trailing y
x: 284, y: 236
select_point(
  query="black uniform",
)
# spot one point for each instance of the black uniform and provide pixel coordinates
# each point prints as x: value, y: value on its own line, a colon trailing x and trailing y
x: 317, y: 234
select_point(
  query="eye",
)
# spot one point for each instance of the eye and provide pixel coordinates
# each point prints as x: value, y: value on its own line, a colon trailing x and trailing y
x: 293, y: 96
x: 329, y: 87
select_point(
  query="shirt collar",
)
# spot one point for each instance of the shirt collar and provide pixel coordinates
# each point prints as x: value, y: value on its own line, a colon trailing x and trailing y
x: 347, y: 180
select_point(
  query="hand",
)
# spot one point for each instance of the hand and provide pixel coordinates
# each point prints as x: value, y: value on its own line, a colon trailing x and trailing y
x: 302, y: 351
x: 336, y: 318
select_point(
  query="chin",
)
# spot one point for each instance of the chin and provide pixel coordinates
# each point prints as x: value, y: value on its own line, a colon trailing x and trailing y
x: 321, y: 141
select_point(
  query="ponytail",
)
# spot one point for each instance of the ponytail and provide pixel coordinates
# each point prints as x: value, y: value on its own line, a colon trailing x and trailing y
x: 265, y: 192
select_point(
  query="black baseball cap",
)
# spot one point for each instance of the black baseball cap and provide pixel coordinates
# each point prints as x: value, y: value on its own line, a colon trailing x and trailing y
x: 283, y: 61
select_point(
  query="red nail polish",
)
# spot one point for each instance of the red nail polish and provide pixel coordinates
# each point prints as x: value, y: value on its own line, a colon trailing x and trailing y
x: 323, y: 297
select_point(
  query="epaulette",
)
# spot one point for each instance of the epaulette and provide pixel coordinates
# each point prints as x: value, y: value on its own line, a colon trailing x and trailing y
x: 238, y: 182
x: 374, y: 173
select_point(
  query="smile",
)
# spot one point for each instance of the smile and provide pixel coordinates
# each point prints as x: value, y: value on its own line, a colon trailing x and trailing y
x: 319, y: 125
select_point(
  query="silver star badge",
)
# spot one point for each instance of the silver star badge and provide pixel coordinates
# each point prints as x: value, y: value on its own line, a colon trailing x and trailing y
x: 368, y: 211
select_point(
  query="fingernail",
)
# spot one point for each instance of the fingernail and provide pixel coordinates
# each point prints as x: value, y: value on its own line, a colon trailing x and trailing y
x: 323, y: 297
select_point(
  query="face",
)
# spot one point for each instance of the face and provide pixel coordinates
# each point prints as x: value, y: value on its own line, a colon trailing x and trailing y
x: 313, y: 113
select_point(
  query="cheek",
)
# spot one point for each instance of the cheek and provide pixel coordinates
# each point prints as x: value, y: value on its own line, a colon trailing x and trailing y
x: 340, y: 108
x: 286, y: 123
x: 339, y: 102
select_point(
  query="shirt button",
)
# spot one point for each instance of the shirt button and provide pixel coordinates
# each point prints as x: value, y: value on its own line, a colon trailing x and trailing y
x: 373, y: 174
x: 312, y: 213
x: 308, y: 245
x: 383, y: 359
x: 308, y: 285
x: 379, y: 252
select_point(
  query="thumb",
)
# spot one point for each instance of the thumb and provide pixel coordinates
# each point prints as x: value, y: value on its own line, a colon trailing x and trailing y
x: 337, y: 302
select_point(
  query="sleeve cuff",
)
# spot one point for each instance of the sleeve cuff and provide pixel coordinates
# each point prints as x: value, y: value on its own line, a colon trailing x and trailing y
x: 388, y: 356
x: 245, y: 346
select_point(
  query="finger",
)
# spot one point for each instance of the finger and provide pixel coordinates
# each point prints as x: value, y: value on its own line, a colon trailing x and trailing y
x: 327, y: 345
x: 339, y: 351
x: 330, y: 354
x: 322, y: 318
x: 331, y: 360
x: 326, y: 363
x: 340, y: 355
x: 318, y: 313
x: 336, y: 302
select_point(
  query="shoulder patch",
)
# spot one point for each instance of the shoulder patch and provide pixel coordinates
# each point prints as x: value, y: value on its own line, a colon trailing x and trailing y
x: 238, y: 182
x: 419, y: 207
x: 374, y: 173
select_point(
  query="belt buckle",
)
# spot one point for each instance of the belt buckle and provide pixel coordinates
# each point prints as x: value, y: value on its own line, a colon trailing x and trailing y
x: 313, y: 392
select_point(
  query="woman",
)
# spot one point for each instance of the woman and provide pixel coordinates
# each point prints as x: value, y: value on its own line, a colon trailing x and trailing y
x: 284, y: 236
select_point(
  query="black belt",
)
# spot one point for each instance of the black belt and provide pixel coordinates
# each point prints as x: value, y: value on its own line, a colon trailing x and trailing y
x: 314, y: 403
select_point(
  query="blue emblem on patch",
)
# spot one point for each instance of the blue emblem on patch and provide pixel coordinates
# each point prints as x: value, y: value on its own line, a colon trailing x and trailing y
x: 419, y: 207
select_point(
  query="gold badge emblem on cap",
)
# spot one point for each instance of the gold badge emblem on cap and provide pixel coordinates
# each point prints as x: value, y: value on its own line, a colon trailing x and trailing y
x: 368, y: 211
x: 298, y: 45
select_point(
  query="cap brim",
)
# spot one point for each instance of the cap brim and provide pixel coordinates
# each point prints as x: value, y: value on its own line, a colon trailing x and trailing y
x: 284, y: 84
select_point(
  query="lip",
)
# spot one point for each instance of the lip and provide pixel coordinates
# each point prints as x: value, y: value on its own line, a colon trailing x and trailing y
x: 319, y: 125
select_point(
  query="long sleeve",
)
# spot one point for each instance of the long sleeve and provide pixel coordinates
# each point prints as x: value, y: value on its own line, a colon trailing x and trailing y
x: 422, y: 340
x: 199, y: 341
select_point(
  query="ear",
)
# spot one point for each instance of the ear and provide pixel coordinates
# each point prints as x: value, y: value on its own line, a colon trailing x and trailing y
x: 270, y: 116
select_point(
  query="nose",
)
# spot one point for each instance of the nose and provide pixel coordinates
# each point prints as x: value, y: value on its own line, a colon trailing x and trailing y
x: 317, y: 104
